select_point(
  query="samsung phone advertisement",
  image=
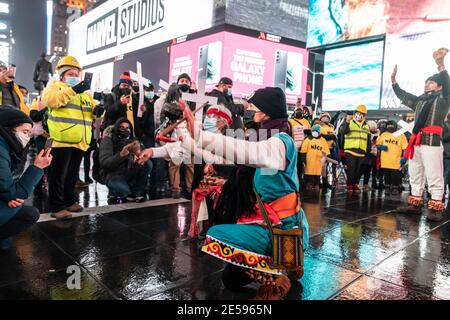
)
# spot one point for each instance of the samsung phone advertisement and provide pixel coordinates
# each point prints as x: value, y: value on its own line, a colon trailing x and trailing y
x: 251, y: 63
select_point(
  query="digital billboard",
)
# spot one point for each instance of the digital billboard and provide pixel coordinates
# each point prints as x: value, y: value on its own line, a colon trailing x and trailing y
x: 285, y: 18
x: 414, y: 56
x: 353, y: 77
x: 332, y: 21
x: 252, y: 63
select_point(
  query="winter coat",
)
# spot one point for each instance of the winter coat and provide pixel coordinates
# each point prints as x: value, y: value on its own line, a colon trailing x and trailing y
x: 446, y: 140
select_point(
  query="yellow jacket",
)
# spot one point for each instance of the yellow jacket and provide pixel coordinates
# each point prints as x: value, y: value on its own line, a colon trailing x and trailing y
x: 57, y: 97
x: 23, y: 107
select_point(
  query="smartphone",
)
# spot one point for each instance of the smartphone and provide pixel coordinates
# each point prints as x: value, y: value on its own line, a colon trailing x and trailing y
x: 280, y: 69
x: 48, y: 145
x: 12, y: 71
x: 88, y: 77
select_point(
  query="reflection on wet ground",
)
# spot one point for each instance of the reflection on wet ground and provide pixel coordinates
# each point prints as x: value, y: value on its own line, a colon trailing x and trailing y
x: 358, y: 250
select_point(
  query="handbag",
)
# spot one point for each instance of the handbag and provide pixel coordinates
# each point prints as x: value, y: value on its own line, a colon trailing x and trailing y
x: 287, y: 245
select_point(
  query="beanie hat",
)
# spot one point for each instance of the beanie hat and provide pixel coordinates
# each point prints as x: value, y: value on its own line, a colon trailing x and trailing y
x: 125, y: 78
x: 271, y: 101
x: 436, y: 78
x: 226, y: 80
x: 221, y: 111
x: 316, y: 128
x: 184, y: 76
x: 11, y: 117
x: 64, y: 69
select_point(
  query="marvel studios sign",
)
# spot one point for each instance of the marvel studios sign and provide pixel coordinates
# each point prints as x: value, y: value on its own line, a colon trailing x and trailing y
x: 118, y: 27
x: 130, y: 21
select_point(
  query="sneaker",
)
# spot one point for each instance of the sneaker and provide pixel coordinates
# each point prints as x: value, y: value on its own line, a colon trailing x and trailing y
x: 61, y: 215
x: 6, y: 244
x: 75, y: 208
x: 140, y: 198
x: 434, y: 216
x: 274, y: 292
x: 131, y: 198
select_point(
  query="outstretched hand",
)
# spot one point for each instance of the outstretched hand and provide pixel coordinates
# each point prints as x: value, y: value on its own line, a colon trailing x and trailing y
x: 394, y: 75
x: 439, y: 56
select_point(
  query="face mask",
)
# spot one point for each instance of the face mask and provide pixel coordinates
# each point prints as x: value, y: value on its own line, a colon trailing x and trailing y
x: 298, y: 115
x: 72, y: 81
x: 230, y: 92
x: 125, y: 92
x: 326, y: 120
x: 248, y: 118
x: 23, y: 138
x: 149, y: 95
x: 184, y: 87
x: 210, y: 124
x: 359, y: 117
x: 315, y: 134
x: 135, y: 88
x: 391, y: 129
x: 123, y: 133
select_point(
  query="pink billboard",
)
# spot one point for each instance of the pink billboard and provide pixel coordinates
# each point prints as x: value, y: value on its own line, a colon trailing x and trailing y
x: 251, y: 63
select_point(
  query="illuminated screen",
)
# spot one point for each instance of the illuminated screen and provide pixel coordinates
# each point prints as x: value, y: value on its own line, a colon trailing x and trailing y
x: 332, y: 21
x: 353, y: 77
x: 414, y: 56
x: 252, y: 64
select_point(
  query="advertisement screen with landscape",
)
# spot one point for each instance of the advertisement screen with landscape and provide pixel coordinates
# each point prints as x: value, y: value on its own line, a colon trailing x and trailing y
x: 252, y: 64
x: 353, y: 77
x: 332, y: 21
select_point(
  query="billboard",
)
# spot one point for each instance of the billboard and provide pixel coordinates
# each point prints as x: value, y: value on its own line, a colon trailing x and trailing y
x: 252, y: 64
x: 332, y: 21
x: 414, y: 56
x: 285, y: 18
x: 122, y: 26
x: 353, y: 77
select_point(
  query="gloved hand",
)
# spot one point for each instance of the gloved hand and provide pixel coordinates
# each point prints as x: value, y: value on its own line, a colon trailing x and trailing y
x: 403, y: 161
x: 81, y: 87
x: 383, y: 148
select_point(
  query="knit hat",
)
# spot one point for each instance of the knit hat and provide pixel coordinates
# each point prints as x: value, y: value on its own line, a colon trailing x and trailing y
x: 64, y: 69
x: 316, y: 128
x: 11, y: 117
x: 271, y: 101
x: 222, y: 112
x: 436, y: 78
x: 125, y: 78
x: 184, y: 76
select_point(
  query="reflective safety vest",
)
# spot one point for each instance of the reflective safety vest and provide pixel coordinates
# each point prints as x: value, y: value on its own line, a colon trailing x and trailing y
x: 357, y: 137
x: 72, y: 122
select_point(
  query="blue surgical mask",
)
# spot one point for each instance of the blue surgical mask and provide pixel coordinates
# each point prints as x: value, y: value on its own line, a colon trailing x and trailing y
x: 149, y: 94
x: 210, y: 124
x: 72, y: 81
x: 230, y: 92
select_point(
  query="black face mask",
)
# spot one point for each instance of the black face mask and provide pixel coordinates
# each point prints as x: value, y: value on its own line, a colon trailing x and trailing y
x: 248, y: 119
x: 391, y: 129
x: 298, y: 115
x: 125, y: 91
x: 184, y: 87
x: 123, y: 134
x: 136, y: 88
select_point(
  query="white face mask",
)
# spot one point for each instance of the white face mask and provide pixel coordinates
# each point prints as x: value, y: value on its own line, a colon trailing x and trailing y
x: 23, y: 138
x: 315, y: 134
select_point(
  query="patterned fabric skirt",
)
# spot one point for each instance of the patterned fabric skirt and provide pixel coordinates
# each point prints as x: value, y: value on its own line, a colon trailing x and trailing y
x: 248, y: 246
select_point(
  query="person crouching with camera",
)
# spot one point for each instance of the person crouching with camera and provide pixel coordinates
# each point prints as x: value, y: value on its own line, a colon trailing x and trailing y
x: 125, y: 179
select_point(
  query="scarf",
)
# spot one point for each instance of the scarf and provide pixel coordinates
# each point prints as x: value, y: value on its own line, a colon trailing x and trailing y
x: 11, y: 140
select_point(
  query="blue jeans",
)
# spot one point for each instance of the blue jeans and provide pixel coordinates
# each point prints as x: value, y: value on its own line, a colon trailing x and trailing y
x: 24, y: 218
x: 134, y: 181
x: 446, y: 173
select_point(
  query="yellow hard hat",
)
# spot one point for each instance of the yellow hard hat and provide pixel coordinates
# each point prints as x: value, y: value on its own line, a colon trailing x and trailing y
x: 361, y: 108
x: 68, y: 61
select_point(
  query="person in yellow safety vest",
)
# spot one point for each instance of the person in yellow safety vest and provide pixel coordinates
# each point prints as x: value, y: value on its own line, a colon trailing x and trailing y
x: 356, y: 145
x: 10, y: 93
x: 70, y: 117
x: 327, y: 132
x: 298, y: 120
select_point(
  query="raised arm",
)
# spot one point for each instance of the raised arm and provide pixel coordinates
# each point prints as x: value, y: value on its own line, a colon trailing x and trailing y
x: 406, y: 98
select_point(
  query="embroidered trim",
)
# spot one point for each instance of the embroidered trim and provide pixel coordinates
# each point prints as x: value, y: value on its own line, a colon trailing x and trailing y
x: 239, y: 257
x: 436, y: 205
x: 415, y: 201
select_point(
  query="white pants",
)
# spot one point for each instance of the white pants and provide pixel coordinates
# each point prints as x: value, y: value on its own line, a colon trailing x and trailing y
x: 427, y: 166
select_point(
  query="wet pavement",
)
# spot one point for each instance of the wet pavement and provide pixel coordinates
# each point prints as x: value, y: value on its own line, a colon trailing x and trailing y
x: 358, y: 250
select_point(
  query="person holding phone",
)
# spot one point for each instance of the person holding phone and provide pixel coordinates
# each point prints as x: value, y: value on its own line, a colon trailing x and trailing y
x: 15, y: 134
x: 117, y: 102
x: 70, y: 117
x: 10, y: 93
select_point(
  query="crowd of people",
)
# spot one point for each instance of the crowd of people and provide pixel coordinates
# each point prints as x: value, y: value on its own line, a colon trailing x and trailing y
x: 243, y: 164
